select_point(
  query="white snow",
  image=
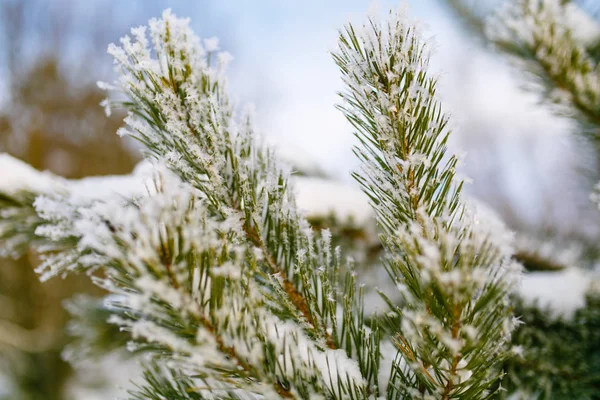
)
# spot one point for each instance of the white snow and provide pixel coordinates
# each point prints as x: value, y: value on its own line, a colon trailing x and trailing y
x: 6, y: 386
x: 389, y: 354
x: 16, y: 175
x: 322, y: 197
x: 211, y: 44
x: 299, y: 159
x: 296, y: 348
x: 128, y: 186
x: 562, y: 292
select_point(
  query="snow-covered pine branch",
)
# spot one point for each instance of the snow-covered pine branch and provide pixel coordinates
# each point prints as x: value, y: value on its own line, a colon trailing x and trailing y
x: 218, y: 277
x: 185, y: 284
x: 221, y: 260
x: 453, y: 270
x: 550, y: 39
x: 557, y: 44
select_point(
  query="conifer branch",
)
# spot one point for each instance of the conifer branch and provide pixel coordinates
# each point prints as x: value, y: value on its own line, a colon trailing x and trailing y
x: 19, y: 187
x: 454, y: 276
x: 228, y: 245
x: 538, y: 34
x: 217, y: 322
x: 194, y: 130
x: 221, y: 283
x: 18, y: 221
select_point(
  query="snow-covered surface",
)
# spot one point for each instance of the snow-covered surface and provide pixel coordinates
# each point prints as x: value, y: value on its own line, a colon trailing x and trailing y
x: 6, y: 386
x: 299, y: 159
x: 487, y: 223
x: 560, y: 251
x: 321, y: 197
x: 16, y: 175
x: 562, y: 292
x: 317, y: 196
x: 127, y: 186
x: 389, y: 354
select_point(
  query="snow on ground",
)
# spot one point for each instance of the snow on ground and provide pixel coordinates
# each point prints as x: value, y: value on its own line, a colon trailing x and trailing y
x: 322, y: 197
x: 16, y: 175
x: 127, y: 186
x: 563, y: 292
x: 317, y: 196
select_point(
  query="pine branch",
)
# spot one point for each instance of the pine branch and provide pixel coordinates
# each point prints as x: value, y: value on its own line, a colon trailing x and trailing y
x: 18, y: 221
x: 536, y: 32
x: 91, y: 232
x: 188, y: 294
x: 91, y: 333
x: 180, y: 110
x: 218, y: 276
x: 560, y: 356
x: 167, y: 383
x: 222, y: 283
x: 454, y: 274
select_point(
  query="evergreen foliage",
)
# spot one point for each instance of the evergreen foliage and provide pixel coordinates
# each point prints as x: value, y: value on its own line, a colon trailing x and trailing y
x: 538, y: 34
x: 555, y: 46
x: 454, y: 276
x: 560, y: 358
x: 221, y: 283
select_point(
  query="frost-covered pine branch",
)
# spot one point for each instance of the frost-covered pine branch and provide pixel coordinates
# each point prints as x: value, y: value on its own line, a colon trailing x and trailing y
x: 220, y: 280
x: 550, y: 39
x: 557, y: 43
x: 453, y: 270
x: 218, y: 273
x: 186, y: 286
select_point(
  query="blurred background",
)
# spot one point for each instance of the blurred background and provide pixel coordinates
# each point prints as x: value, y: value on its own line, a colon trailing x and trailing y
x: 525, y: 162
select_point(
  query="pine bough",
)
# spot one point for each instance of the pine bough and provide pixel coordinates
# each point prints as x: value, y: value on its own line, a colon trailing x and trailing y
x: 553, y: 41
x: 556, y: 43
x: 219, y: 279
